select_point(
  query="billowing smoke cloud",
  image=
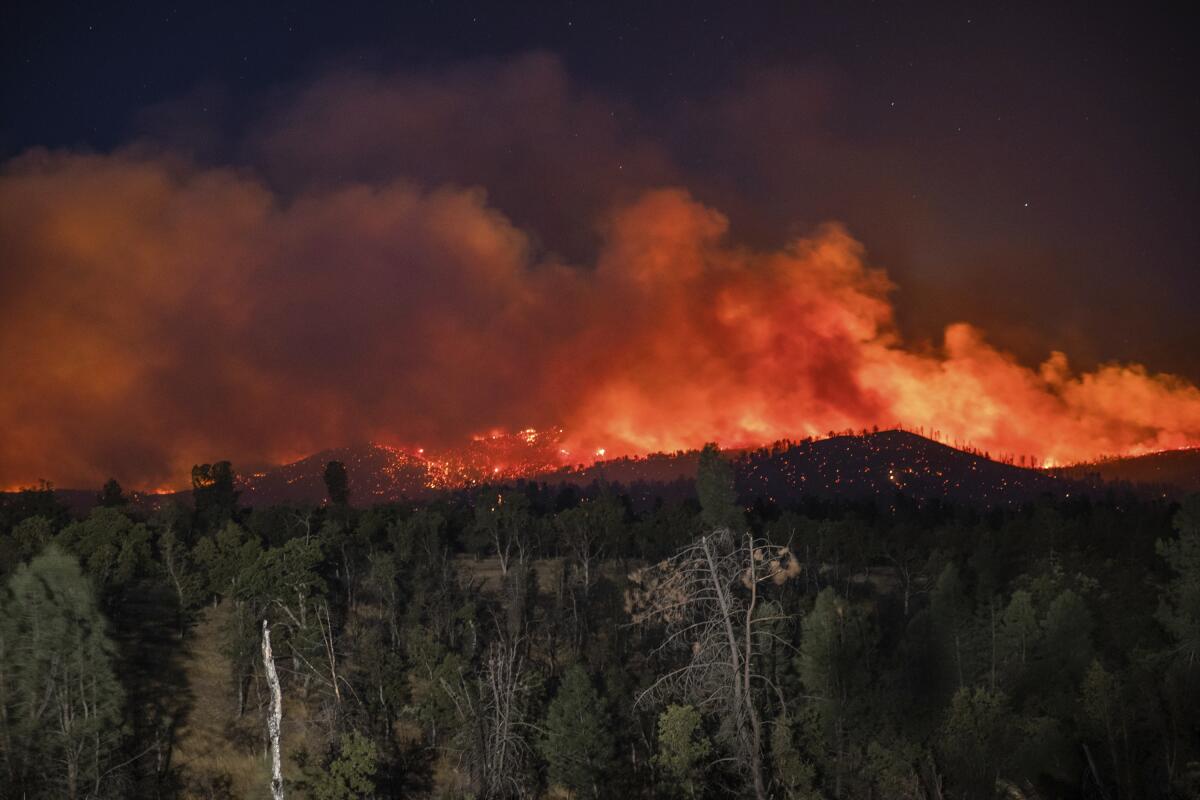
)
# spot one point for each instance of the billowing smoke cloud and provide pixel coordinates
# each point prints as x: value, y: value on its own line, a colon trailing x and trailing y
x: 158, y: 312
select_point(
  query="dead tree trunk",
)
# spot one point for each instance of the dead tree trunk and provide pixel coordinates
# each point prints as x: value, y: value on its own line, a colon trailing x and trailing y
x: 275, y: 715
x: 708, y: 597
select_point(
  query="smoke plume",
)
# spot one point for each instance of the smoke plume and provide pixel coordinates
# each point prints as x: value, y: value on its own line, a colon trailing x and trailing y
x: 159, y: 311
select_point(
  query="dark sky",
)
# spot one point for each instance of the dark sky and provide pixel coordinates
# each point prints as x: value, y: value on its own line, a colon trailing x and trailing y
x: 1030, y: 170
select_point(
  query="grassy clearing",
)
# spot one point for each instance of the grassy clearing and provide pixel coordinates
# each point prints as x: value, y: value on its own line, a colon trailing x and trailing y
x: 219, y: 755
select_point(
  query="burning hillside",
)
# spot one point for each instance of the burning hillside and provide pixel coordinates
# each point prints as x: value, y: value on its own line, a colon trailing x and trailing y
x: 184, y: 335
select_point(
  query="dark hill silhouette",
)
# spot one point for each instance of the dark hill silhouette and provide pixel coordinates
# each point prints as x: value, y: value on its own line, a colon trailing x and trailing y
x: 873, y: 466
x: 376, y: 474
x: 880, y: 465
x: 1172, y: 470
x: 654, y: 468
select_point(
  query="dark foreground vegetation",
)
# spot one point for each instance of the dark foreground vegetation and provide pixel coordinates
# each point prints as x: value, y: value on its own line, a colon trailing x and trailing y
x: 534, y: 641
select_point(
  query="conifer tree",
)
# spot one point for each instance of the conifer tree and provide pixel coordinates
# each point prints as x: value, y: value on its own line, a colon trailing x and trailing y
x: 61, y: 718
x: 714, y: 485
x: 578, y: 745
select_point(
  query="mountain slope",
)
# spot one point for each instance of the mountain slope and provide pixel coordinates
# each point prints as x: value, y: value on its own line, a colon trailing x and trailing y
x: 854, y: 467
x: 880, y: 465
x: 1177, y: 468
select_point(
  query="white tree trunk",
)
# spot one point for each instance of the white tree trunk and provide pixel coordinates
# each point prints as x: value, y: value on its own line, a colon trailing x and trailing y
x: 275, y: 716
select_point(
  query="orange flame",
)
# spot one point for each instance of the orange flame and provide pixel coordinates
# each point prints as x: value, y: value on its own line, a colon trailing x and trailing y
x: 159, y: 314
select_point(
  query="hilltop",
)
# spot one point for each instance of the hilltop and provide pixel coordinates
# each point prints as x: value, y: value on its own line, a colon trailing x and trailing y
x: 1170, y: 469
x: 881, y: 465
x: 855, y: 467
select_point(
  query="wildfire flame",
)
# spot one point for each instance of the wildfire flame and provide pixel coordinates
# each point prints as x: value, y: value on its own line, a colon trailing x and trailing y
x: 161, y: 314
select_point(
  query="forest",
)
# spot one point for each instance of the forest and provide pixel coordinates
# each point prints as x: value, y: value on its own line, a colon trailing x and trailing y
x: 534, y: 641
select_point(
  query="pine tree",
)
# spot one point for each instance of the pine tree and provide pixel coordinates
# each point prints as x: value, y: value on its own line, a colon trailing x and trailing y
x: 714, y: 485
x: 683, y: 749
x: 1179, y: 611
x: 337, y: 483
x: 579, y: 742
x: 111, y: 495
x: 61, y: 718
x: 349, y: 774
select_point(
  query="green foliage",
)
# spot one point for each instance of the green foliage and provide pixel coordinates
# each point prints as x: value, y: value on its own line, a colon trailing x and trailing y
x: 919, y: 644
x: 284, y: 578
x: 180, y: 571
x: 952, y: 621
x: 976, y: 740
x: 892, y: 769
x: 683, y: 749
x: 578, y: 743
x: 434, y: 672
x: 714, y: 486
x: 1179, y: 611
x: 832, y: 647
x: 1018, y: 632
x: 30, y: 535
x: 1066, y: 640
x: 61, y: 702
x: 348, y: 773
x: 112, y: 548
x: 795, y: 775
x: 225, y: 558
x: 420, y: 538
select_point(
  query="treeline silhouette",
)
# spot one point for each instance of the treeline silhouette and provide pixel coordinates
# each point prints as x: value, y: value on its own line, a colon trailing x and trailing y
x: 534, y: 640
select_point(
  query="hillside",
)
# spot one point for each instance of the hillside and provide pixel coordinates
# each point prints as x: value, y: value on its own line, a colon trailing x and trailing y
x: 1170, y: 468
x: 880, y: 465
x: 376, y: 473
x: 853, y: 467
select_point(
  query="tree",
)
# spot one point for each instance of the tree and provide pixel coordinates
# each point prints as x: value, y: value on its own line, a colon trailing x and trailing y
x: 707, y: 596
x: 337, y: 483
x: 578, y: 745
x: 214, y: 494
x: 587, y: 533
x: 952, y: 618
x: 225, y: 558
x: 30, y: 535
x: 1067, y: 639
x: 275, y: 714
x: 348, y: 774
x: 794, y: 774
x: 832, y: 666
x: 1179, y: 608
x: 976, y: 740
x: 493, y: 715
x: 683, y: 749
x: 504, y: 519
x: 112, y: 548
x: 62, y: 703
x: 1019, y: 630
x: 714, y: 486
x: 111, y: 495
x: 181, y: 572
x: 1104, y: 718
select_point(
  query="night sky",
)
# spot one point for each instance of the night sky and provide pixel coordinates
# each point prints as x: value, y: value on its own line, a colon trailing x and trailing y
x: 1030, y: 171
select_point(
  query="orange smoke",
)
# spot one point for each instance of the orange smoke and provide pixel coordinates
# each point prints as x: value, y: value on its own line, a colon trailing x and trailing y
x: 709, y: 341
x: 158, y: 314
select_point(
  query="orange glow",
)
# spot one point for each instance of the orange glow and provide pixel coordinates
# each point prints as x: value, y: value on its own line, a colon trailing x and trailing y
x: 183, y: 331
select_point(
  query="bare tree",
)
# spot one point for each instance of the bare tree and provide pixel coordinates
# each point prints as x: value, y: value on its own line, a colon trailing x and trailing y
x: 492, y: 710
x: 275, y: 715
x: 708, y: 595
x: 505, y: 521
